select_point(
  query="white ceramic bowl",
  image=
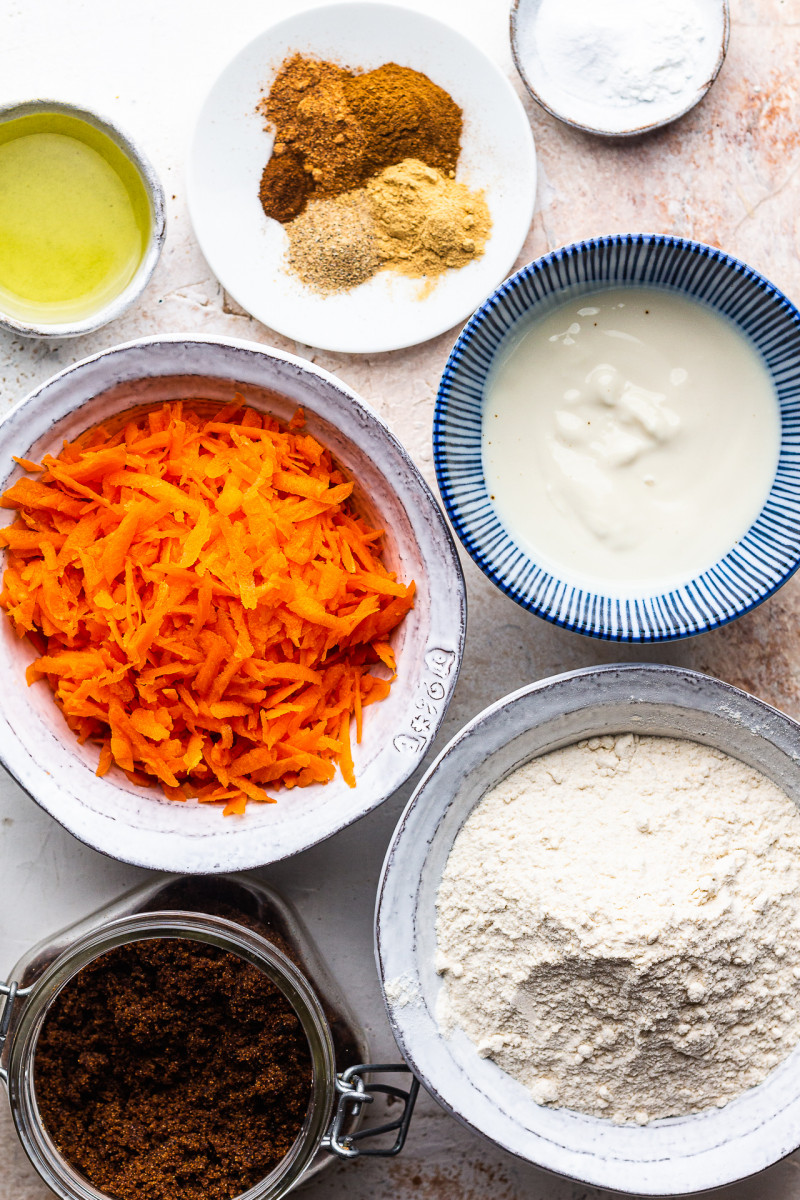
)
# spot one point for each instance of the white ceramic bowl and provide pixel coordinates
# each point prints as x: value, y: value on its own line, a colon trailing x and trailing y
x: 245, y: 249
x: 117, y: 305
x: 755, y: 567
x: 578, y: 101
x: 668, y: 1157
x: 140, y: 825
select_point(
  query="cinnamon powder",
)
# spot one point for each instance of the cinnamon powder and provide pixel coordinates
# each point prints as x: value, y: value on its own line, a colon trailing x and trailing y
x: 334, y: 128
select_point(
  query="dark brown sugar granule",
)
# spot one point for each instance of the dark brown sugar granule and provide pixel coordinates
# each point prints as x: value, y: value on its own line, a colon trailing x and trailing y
x: 168, y: 1069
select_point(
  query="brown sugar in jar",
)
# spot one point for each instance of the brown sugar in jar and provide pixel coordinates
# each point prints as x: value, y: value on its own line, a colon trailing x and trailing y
x: 170, y: 1069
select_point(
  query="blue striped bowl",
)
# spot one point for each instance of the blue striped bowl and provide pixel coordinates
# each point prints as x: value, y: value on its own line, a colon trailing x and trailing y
x: 756, y: 566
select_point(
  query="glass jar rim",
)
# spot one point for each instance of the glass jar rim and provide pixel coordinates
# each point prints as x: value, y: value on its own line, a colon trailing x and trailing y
x: 227, y: 935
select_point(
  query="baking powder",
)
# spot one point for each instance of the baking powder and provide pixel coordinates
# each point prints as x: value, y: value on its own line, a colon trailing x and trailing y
x: 620, y: 52
x: 619, y: 927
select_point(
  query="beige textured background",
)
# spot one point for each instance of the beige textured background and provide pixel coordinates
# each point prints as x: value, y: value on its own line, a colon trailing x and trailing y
x: 726, y: 174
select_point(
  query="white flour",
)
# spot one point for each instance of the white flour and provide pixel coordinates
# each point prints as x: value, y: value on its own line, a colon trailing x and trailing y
x: 401, y: 991
x: 619, y: 927
x: 620, y: 52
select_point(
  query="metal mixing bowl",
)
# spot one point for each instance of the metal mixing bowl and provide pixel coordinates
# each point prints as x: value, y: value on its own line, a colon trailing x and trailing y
x: 675, y: 1156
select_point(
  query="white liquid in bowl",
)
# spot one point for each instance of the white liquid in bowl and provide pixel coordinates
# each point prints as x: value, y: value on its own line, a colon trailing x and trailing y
x: 630, y: 439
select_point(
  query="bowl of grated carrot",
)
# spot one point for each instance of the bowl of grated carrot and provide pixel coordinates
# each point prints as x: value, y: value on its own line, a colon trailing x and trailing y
x: 233, y: 615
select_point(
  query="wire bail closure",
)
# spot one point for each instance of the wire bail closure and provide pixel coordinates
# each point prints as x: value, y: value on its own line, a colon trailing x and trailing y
x: 353, y: 1094
x: 9, y: 991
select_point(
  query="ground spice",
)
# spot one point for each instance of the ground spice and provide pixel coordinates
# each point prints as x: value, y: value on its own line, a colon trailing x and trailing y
x: 332, y: 244
x: 410, y: 218
x: 425, y: 222
x: 334, y: 128
x: 168, y: 1069
x: 403, y: 114
x: 285, y: 186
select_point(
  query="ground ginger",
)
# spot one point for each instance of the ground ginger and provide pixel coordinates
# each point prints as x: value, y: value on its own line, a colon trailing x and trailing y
x: 425, y: 222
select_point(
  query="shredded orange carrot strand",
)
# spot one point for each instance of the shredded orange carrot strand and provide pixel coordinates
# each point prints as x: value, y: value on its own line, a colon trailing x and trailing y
x: 206, y: 602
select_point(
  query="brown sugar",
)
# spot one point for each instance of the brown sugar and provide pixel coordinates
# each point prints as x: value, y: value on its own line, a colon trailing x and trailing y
x: 168, y: 1069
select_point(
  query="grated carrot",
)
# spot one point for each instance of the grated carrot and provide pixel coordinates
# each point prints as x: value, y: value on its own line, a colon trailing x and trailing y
x: 207, y: 604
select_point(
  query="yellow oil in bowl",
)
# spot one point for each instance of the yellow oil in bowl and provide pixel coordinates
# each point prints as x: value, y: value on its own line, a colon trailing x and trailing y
x: 74, y: 219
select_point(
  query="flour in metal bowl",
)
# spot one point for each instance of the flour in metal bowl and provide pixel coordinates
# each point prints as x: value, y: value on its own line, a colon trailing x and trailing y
x: 618, y: 927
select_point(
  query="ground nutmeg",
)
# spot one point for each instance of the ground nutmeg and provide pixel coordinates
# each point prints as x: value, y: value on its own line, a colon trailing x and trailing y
x: 168, y: 1069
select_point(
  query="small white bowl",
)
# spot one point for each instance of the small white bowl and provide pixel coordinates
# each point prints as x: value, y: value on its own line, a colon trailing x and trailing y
x: 139, y: 825
x: 580, y: 106
x: 245, y: 249
x: 158, y: 224
x: 669, y: 1157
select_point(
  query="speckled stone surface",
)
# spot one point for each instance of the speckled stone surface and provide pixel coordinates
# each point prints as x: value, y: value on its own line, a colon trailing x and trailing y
x: 728, y: 173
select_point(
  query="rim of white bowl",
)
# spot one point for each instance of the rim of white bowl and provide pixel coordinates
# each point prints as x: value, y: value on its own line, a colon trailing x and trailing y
x: 227, y: 846
x: 158, y: 222
x: 755, y: 567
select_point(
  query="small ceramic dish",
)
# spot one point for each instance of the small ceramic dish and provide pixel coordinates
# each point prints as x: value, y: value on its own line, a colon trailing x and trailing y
x: 117, y: 304
x: 139, y: 825
x: 231, y: 146
x: 754, y: 568
x: 667, y: 1157
x: 545, y: 57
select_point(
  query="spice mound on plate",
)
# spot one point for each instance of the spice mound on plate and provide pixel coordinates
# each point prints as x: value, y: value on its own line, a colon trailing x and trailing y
x: 332, y: 244
x: 168, y: 1069
x: 409, y: 218
x: 618, y: 926
x: 425, y: 222
x: 334, y: 128
x: 206, y: 602
x: 362, y: 175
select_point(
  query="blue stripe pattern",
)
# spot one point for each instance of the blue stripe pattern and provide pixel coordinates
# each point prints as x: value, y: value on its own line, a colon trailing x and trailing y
x: 770, y: 551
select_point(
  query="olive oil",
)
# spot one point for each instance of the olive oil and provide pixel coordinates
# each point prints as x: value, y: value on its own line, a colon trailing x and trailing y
x: 74, y: 219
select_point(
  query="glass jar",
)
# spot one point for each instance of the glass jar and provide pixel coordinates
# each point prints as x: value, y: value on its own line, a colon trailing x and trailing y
x: 249, y: 920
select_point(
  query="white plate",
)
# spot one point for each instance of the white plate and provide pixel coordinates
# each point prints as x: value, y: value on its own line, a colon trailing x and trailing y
x: 245, y: 249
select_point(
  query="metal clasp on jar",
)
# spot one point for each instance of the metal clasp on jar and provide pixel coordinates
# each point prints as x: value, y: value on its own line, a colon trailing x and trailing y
x: 353, y: 1094
x: 9, y: 993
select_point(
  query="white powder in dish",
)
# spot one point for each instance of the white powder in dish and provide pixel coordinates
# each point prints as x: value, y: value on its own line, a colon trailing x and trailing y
x: 619, y: 927
x: 621, y: 52
x: 401, y: 991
